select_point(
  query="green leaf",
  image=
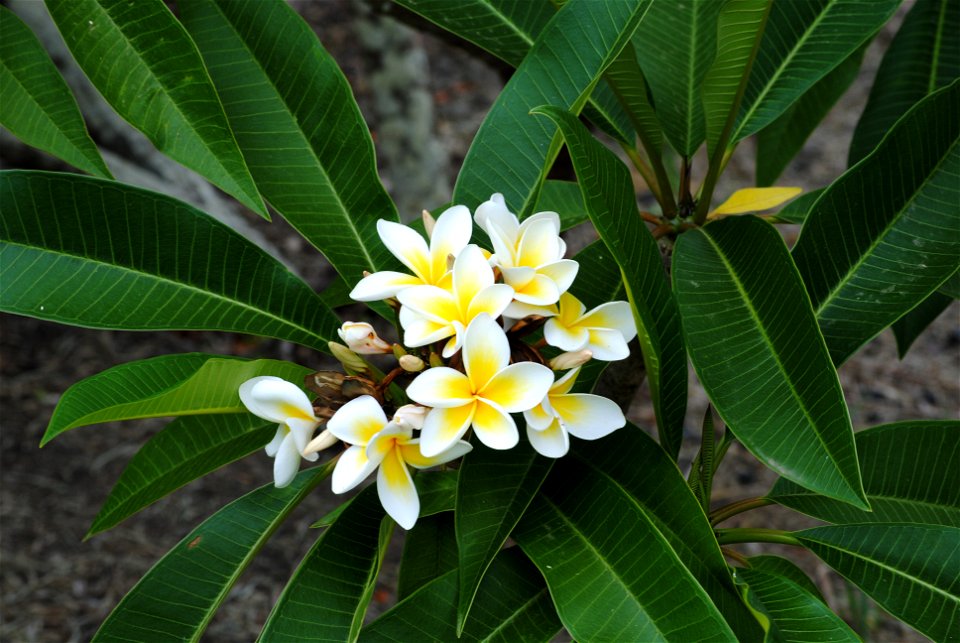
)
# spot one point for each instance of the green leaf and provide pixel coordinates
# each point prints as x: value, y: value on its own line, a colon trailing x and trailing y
x: 675, y: 44
x: 884, y: 236
x: 513, y: 605
x: 922, y: 57
x: 608, y: 194
x: 37, y: 106
x: 493, y: 491
x: 794, y: 615
x: 911, y: 473
x: 756, y: 347
x: 328, y: 594
x: 628, y: 83
x: 187, y: 384
x: 781, y: 140
x: 145, y: 64
x: 298, y: 125
x: 908, y: 328
x: 511, y: 150
x: 176, y: 599
x: 100, y: 254
x: 951, y: 287
x: 564, y: 198
x: 797, y: 210
x: 802, y: 43
x: 787, y: 569
x: 186, y: 449
x: 612, y: 574
x: 912, y: 571
x: 429, y: 551
x: 643, y: 470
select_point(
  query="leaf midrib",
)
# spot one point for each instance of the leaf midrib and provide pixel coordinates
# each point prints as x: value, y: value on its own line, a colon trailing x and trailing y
x: 515, y: 614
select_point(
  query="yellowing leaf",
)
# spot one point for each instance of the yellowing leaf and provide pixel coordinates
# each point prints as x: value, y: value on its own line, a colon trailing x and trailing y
x: 754, y: 200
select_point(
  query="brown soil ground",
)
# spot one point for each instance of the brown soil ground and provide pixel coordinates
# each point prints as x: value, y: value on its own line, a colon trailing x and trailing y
x: 57, y: 588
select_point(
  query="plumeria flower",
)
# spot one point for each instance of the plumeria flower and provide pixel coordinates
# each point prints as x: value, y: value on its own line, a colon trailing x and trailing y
x: 429, y: 264
x: 431, y: 313
x: 283, y: 402
x: 529, y: 254
x: 605, y: 331
x: 483, y: 397
x: 360, y: 337
x: 387, y: 445
x: 561, y: 412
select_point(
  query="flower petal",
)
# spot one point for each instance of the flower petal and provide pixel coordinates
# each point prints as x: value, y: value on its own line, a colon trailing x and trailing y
x: 486, y: 350
x: 384, y: 441
x: 518, y: 277
x: 540, y: 291
x: 492, y: 300
x: 352, y: 468
x: 571, y: 309
x: 407, y: 246
x: 278, y: 437
x: 564, y: 337
x: 440, y: 387
x: 518, y: 387
x: 504, y: 247
x: 420, y: 331
x: 587, y: 416
x: 539, y: 417
x: 287, y: 463
x: 443, y: 427
x: 302, y: 431
x: 552, y: 442
x: 471, y: 274
x: 608, y: 345
x: 358, y: 420
x: 494, y: 426
x: 539, y: 244
x: 398, y: 495
x: 451, y: 234
x: 562, y: 272
x: 615, y: 315
x: 383, y: 285
x: 431, y: 302
x: 495, y: 211
x: 519, y: 310
x: 410, y: 451
x: 552, y: 217
x: 563, y: 385
x: 275, y: 399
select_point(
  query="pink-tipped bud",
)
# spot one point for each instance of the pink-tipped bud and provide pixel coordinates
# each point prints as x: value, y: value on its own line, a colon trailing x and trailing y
x: 428, y: 223
x: 573, y: 359
x: 361, y: 338
x: 410, y: 415
x: 411, y: 363
x: 323, y: 441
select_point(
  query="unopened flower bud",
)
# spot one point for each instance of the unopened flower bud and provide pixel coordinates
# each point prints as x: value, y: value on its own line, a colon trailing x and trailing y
x: 361, y: 338
x: 352, y: 362
x: 323, y: 441
x: 410, y: 415
x: 411, y: 363
x: 573, y: 359
x: 428, y: 222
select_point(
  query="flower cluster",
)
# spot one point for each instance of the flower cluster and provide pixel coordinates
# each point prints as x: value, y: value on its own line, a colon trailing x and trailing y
x: 467, y: 361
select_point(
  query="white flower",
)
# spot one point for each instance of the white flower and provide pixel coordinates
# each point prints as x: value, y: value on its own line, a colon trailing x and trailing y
x: 283, y: 402
x: 529, y: 254
x: 582, y: 415
x: 605, y: 331
x: 360, y: 337
x: 484, y: 397
x: 429, y: 264
x: 431, y: 313
x: 410, y: 415
x: 387, y: 445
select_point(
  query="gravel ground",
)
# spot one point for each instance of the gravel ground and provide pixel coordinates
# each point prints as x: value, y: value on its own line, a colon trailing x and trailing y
x: 57, y: 588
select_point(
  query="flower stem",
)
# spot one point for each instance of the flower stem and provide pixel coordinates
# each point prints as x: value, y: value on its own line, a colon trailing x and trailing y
x: 734, y: 555
x: 733, y: 536
x: 734, y: 508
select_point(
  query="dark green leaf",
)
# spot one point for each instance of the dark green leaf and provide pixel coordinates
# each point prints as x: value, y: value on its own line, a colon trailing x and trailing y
x: 298, y: 125
x: 429, y: 551
x: 37, y: 106
x: 911, y: 473
x: 564, y: 198
x: 187, y: 384
x: 756, y: 347
x: 789, y: 570
x: 186, y: 449
x: 493, y: 491
x: 608, y: 194
x: 797, y: 210
x: 924, y: 56
x: 328, y: 594
x: 145, y: 64
x: 612, y: 574
x: 437, y: 491
x: 886, y: 234
x: 627, y: 81
x: 513, y: 606
x: 951, y: 287
x: 908, y: 328
x: 511, y: 151
x: 912, y: 571
x: 100, y: 254
x: 176, y: 599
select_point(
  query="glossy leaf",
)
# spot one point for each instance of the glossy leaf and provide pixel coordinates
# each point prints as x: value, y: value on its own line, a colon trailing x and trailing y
x: 794, y: 615
x: 675, y: 44
x: 100, y: 254
x: 493, y: 491
x: 608, y: 194
x: 512, y: 606
x: 187, y: 384
x: 298, y: 125
x: 910, y: 326
x: 911, y: 473
x: 328, y: 594
x: 780, y: 141
x: 125, y: 50
x: 787, y: 569
x: 628, y: 83
x: 429, y: 551
x: 564, y: 198
x: 865, y: 265
x: 37, y: 105
x: 176, y: 599
x: 951, y: 287
x: 186, y: 449
x: 802, y: 43
x: 600, y: 552
x: 912, y: 571
x: 755, y: 345
x: 511, y: 151
x: 924, y: 56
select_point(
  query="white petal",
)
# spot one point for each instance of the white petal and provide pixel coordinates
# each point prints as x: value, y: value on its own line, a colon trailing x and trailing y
x: 444, y: 427
x: 431, y: 302
x: 383, y: 285
x: 486, y: 350
x: 278, y: 437
x: 518, y: 277
x: 492, y: 300
x: 287, y: 463
x: 357, y: 421
x: 539, y: 417
x: 471, y: 274
x: 385, y: 440
x: 552, y: 217
x: 614, y: 315
x: 275, y: 399
x: 494, y: 426
x: 398, y: 495
x: 495, y: 211
x: 407, y: 246
x: 539, y: 244
x: 608, y: 345
x: 518, y: 387
x: 451, y: 234
x: 302, y: 431
x: 519, y: 310
x: 552, y: 442
x: 564, y: 338
x: 587, y: 416
x: 441, y: 387
x: 323, y: 441
x: 563, y: 385
x: 420, y: 331
x: 562, y: 272
x: 504, y: 246
x: 411, y: 415
x: 352, y: 468
x: 414, y: 457
x: 541, y: 291
x: 455, y: 342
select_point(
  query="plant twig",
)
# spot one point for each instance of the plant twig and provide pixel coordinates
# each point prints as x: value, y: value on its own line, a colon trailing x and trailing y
x: 734, y: 508
x: 734, y: 536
